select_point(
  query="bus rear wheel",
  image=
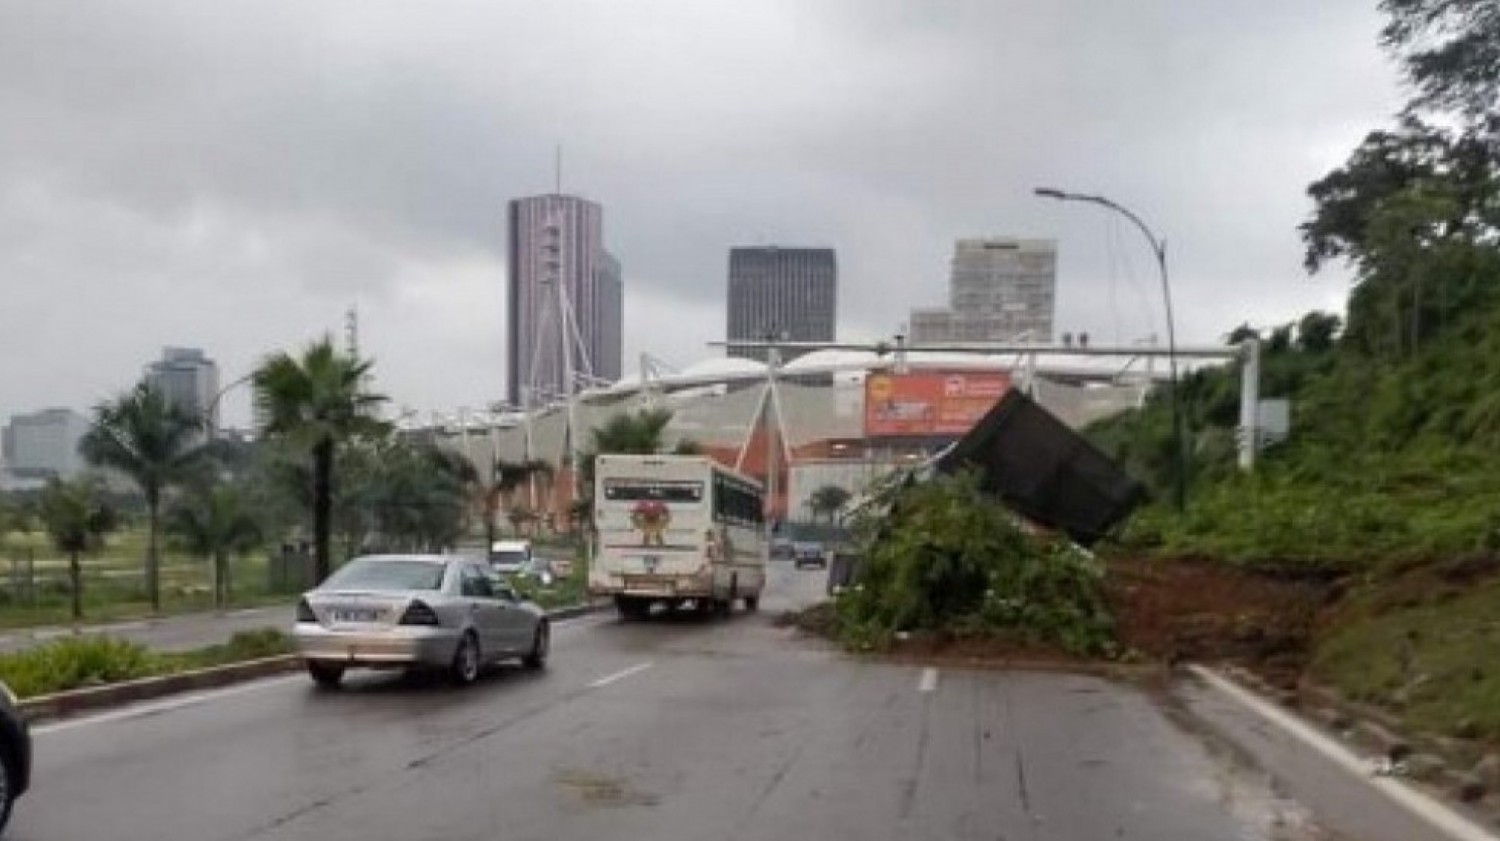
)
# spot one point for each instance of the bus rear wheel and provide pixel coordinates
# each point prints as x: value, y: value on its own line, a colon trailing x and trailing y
x: 752, y: 603
x: 632, y: 608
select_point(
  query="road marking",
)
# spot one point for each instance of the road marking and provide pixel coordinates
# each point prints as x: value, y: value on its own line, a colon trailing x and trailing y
x: 928, y: 683
x: 161, y: 706
x: 620, y: 675
x: 1434, y: 813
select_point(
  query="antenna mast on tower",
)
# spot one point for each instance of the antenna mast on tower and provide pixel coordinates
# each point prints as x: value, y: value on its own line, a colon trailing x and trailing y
x: 351, y: 331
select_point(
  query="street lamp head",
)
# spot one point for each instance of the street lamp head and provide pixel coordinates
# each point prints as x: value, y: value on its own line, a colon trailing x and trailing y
x: 1050, y: 193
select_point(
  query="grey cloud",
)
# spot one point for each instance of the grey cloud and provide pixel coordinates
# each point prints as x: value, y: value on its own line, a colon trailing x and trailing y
x: 237, y: 173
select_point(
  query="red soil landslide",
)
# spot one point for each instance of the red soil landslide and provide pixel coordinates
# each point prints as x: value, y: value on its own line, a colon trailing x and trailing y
x: 1212, y: 612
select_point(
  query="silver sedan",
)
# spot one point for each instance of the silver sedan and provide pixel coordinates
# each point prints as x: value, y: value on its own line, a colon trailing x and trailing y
x: 429, y: 611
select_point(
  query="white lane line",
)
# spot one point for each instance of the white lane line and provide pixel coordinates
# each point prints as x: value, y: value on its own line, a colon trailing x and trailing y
x: 164, y: 705
x: 620, y: 675
x: 928, y: 683
x: 1451, y: 823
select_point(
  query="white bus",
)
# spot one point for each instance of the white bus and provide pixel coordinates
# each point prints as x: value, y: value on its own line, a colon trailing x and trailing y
x: 676, y: 530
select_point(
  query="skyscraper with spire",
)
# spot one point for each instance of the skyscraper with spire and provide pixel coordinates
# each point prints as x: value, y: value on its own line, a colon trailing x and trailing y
x: 565, y: 297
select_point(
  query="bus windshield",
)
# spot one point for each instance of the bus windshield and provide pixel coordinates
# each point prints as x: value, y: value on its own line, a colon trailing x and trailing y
x: 658, y: 490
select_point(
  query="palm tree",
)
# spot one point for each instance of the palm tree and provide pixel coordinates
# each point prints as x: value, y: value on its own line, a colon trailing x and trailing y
x: 213, y: 523
x: 77, y: 520
x: 313, y: 403
x: 148, y: 438
x: 829, y: 500
x: 639, y: 433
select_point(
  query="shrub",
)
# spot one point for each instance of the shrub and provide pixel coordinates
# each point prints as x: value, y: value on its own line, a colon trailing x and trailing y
x: 74, y: 662
x: 244, y: 645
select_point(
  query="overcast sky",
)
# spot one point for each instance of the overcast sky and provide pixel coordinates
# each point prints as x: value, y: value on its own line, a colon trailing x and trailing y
x: 236, y: 175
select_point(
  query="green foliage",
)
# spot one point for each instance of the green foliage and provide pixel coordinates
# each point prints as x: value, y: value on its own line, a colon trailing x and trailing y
x: 311, y: 404
x: 72, y: 662
x: 146, y: 437
x: 941, y: 556
x: 1450, y: 52
x: 75, y: 662
x: 1422, y: 647
x: 77, y: 520
x: 638, y: 433
x: 829, y: 500
x: 73, y: 515
x: 566, y: 591
x: 215, y: 523
x: 419, y: 495
x: 244, y: 645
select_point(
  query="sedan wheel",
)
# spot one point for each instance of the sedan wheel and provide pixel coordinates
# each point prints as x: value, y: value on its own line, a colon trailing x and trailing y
x: 465, y: 668
x: 326, y: 675
x: 541, y: 645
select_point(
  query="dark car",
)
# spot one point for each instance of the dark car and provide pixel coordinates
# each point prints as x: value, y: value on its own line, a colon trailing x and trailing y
x: 15, y: 754
x: 809, y: 553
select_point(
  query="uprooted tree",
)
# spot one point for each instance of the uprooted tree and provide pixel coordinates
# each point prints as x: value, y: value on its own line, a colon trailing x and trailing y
x: 943, y: 556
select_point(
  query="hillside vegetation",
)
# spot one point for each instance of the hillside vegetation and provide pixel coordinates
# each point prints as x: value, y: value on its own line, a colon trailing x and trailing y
x: 1388, y: 488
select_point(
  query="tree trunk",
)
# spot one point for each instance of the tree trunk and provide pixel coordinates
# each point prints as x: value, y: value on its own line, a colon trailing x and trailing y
x: 322, y: 507
x: 221, y: 580
x: 153, y: 560
x: 491, y: 503
x: 75, y: 574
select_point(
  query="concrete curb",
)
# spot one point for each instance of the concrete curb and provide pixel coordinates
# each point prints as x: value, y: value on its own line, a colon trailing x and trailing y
x: 62, y: 704
x: 74, y: 701
x: 1436, y: 814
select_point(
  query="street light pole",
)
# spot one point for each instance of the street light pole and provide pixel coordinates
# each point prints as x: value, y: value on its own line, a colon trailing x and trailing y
x: 1159, y: 250
x: 209, y: 415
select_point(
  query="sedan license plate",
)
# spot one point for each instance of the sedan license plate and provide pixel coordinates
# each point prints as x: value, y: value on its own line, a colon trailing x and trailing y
x: 355, y: 615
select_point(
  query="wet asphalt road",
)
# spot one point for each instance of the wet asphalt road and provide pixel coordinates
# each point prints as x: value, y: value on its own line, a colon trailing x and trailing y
x: 665, y: 730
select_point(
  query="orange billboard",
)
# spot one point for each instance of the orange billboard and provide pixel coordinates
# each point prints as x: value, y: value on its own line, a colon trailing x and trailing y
x: 930, y: 403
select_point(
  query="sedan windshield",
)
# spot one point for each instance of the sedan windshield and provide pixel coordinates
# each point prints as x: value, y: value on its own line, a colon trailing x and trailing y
x: 388, y: 575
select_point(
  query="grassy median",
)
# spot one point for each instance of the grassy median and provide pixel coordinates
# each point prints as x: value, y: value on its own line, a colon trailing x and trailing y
x: 95, y: 660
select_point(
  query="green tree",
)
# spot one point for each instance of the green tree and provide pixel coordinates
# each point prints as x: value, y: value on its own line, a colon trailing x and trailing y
x: 420, y: 496
x: 630, y: 433
x: 828, y: 501
x: 1241, y: 334
x: 146, y: 437
x: 1316, y: 332
x: 214, y: 523
x: 76, y: 519
x: 640, y: 433
x: 312, y: 403
x: 1450, y: 53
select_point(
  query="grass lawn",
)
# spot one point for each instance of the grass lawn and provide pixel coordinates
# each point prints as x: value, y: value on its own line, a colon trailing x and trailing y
x: 113, y: 592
